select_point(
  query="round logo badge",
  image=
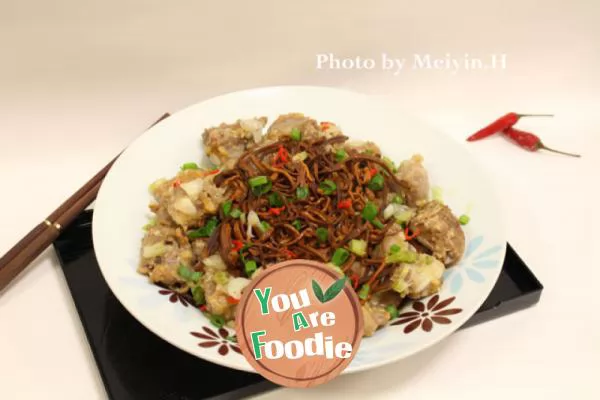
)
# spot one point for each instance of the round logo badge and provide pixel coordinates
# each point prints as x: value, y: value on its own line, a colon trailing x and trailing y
x: 299, y: 323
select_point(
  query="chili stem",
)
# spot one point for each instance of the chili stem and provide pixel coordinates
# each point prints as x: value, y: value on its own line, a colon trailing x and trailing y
x: 542, y: 146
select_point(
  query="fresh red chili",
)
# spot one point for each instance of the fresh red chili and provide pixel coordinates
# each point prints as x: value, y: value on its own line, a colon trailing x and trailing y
x: 501, y: 124
x: 531, y: 142
x: 325, y: 125
x: 176, y: 183
x: 232, y: 300
x: 354, y: 280
x: 237, y: 245
x: 408, y: 235
x: 276, y: 210
x: 288, y: 253
x: 344, y: 204
x: 202, y: 308
x: 212, y: 172
x: 281, y: 157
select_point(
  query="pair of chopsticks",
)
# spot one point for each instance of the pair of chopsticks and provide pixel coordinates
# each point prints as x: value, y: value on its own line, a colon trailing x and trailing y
x: 42, y: 236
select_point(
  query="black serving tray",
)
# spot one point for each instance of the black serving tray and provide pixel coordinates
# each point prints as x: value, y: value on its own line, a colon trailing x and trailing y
x: 137, y: 365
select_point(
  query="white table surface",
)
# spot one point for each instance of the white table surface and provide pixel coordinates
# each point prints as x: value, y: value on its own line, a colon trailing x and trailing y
x: 81, y: 79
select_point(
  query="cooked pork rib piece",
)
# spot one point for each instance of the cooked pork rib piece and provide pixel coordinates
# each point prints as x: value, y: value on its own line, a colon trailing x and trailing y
x: 415, y: 178
x: 225, y: 143
x: 439, y: 231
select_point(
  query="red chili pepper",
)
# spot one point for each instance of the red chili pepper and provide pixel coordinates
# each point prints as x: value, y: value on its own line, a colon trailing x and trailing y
x: 276, y: 210
x: 281, y: 157
x: 232, y: 300
x: 408, y: 235
x: 212, y: 172
x: 325, y: 125
x: 531, y: 142
x: 354, y: 280
x: 344, y: 204
x: 202, y: 308
x: 288, y: 253
x: 373, y: 172
x: 237, y: 245
x: 176, y: 183
x: 501, y: 124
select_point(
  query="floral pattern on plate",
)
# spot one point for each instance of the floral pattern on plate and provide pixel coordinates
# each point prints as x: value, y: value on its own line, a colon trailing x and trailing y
x: 425, y: 316
x: 223, y: 339
x: 473, y: 266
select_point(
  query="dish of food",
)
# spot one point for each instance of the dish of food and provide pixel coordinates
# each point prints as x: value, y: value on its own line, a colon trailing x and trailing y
x: 249, y: 179
x: 300, y: 190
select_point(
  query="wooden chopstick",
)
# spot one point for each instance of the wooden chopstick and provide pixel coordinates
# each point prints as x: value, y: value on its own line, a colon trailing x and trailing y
x: 42, y: 235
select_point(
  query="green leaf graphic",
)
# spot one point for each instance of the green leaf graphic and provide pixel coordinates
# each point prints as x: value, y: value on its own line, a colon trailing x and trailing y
x: 334, y: 290
x: 317, y: 291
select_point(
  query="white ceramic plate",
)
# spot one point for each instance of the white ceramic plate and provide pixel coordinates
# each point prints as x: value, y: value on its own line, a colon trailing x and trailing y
x: 122, y: 209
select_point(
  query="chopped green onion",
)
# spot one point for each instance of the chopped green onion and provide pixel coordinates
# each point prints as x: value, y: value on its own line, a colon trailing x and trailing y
x: 189, y: 165
x: 363, y: 293
x: 221, y: 277
x: 264, y: 226
x: 262, y: 189
x: 196, y: 276
x: 395, y: 248
x: 227, y: 208
x: 339, y: 257
x: 205, y: 231
x: 403, y: 216
x: 464, y: 219
x: 397, y: 199
x: 328, y: 187
x: 185, y: 272
x: 295, y: 134
x: 376, y: 183
x: 378, y: 224
x: 390, y: 164
x: 235, y: 213
x: 301, y: 192
x: 436, y: 194
x: 300, y: 156
x: 275, y: 200
x: 322, y: 234
x: 149, y: 225
x: 340, y: 155
x: 217, y: 320
x: 402, y: 256
x: 258, y: 181
x: 392, y: 310
x: 198, y: 295
x: 358, y: 247
x: 250, y: 267
x: 297, y: 224
x: 370, y: 211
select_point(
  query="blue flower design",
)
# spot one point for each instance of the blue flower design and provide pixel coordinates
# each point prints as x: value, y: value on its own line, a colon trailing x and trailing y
x: 473, y: 266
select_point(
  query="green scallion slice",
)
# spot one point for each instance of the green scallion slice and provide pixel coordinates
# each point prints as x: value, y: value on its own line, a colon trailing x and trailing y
x: 370, y: 211
x: 302, y: 192
x: 296, y: 135
x: 328, y: 187
x: 339, y: 257
x: 189, y: 165
x: 322, y: 234
x: 464, y: 219
x: 376, y: 183
x: 226, y: 207
x: 250, y: 267
x: 340, y: 155
x: 275, y: 200
x: 363, y: 292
